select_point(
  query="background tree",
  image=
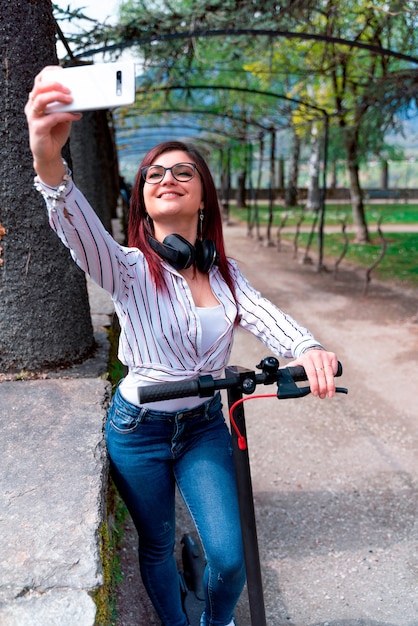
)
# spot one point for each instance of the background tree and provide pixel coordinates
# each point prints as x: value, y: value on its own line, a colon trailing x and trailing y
x: 351, y: 76
x: 44, y: 311
x: 348, y: 50
x: 95, y: 163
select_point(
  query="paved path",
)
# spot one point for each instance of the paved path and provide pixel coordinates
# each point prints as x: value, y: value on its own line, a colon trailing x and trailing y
x: 335, y: 481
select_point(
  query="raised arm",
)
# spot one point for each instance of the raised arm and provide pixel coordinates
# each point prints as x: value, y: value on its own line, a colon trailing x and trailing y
x: 48, y: 132
x: 70, y: 214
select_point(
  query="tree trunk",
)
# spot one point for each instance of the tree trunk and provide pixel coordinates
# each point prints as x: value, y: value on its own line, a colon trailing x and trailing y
x: 384, y: 175
x: 280, y: 174
x: 225, y: 180
x: 45, y: 318
x: 360, y: 224
x: 291, y: 195
x: 333, y: 184
x: 271, y: 184
x: 313, y: 201
x: 95, y: 166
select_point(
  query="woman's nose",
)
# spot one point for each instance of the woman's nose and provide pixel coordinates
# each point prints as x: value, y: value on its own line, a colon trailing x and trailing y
x: 168, y: 177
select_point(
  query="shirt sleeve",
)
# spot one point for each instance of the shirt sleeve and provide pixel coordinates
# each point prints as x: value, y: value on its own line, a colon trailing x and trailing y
x: 79, y: 228
x: 277, y: 330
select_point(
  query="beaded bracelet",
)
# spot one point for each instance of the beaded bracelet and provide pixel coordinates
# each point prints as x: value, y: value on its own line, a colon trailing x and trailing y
x: 54, y: 195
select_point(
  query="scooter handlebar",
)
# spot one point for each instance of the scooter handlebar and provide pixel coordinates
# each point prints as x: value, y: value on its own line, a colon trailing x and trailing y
x: 205, y: 386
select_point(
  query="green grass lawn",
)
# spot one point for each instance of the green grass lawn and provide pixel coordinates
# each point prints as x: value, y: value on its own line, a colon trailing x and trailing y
x: 335, y: 213
x: 400, y: 262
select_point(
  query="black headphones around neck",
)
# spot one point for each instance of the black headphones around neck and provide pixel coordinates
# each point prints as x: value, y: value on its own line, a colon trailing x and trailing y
x: 181, y: 254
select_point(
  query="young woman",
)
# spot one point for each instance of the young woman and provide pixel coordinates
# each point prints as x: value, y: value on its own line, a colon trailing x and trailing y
x: 179, y: 300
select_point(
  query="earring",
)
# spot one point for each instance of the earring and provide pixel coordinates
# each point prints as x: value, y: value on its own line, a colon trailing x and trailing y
x: 200, y: 224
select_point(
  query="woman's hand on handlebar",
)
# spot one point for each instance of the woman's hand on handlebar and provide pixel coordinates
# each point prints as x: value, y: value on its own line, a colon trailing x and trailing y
x: 320, y: 367
x: 48, y: 132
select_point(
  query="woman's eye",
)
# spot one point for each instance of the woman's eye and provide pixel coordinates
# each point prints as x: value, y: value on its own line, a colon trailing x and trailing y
x: 185, y: 172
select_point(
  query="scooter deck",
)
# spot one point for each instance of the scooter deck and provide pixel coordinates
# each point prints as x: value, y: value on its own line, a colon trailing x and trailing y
x: 191, y: 579
x: 193, y: 608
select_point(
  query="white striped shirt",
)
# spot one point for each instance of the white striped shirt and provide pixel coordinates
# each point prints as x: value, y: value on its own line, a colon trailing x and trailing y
x: 161, y: 336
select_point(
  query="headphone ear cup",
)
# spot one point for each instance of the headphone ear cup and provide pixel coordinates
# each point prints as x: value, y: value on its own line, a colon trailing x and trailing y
x: 176, y: 250
x: 186, y: 253
x: 206, y: 255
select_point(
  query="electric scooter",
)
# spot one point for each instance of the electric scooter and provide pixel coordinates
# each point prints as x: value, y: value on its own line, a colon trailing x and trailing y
x: 238, y: 381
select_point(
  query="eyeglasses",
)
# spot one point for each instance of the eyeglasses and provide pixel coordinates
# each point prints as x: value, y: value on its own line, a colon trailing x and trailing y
x: 183, y: 172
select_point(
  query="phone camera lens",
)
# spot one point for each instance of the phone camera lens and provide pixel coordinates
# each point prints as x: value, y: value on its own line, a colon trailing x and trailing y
x: 119, y: 82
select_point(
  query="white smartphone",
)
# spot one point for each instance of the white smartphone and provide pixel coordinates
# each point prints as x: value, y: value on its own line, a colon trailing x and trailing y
x: 99, y: 86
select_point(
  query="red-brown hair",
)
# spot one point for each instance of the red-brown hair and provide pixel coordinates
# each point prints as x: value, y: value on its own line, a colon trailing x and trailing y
x: 139, y: 227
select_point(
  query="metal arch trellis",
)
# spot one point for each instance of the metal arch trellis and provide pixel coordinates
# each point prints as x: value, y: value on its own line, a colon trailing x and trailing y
x: 243, y: 90
x: 205, y: 111
x: 124, y: 136
x: 197, y: 127
x: 250, y: 31
x: 271, y: 34
x: 237, y: 135
x: 325, y: 116
x: 269, y: 129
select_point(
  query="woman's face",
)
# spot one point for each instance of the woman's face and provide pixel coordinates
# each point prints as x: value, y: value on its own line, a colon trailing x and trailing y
x: 174, y: 203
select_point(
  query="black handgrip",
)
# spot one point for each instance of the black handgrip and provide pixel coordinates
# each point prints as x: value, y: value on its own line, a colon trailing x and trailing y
x: 297, y: 372
x: 168, y: 391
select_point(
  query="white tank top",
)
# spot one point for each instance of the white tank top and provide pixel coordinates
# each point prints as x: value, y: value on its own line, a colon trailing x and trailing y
x: 213, y: 324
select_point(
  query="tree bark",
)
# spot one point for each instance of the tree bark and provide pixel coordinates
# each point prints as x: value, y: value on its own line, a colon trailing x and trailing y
x: 291, y: 194
x: 45, y: 318
x: 225, y: 181
x: 271, y: 184
x: 313, y: 201
x: 384, y: 175
x: 241, y: 192
x: 359, y: 218
x: 280, y: 174
x: 95, y: 165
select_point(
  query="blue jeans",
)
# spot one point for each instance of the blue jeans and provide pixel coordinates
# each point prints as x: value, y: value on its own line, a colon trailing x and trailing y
x: 151, y: 452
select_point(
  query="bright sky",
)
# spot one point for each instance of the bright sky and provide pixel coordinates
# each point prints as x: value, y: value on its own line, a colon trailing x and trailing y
x: 99, y: 9
x: 102, y: 10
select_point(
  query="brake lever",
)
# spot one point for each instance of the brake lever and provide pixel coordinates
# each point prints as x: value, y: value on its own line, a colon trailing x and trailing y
x: 287, y: 388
